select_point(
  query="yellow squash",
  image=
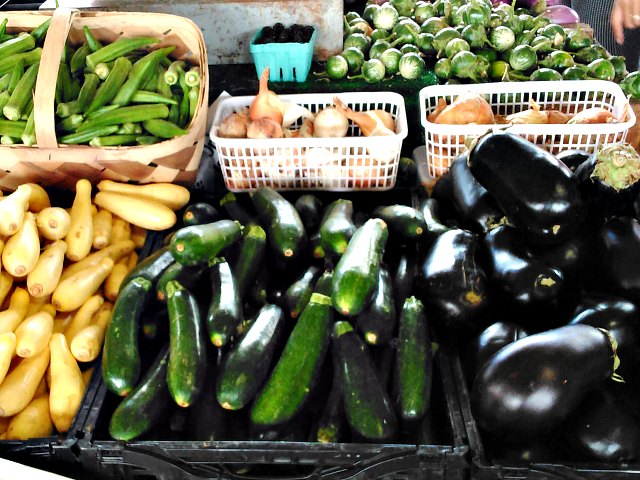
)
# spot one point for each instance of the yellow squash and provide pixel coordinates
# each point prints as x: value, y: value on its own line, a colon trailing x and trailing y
x: 102, y: 229
x: 86, y: 345
x: 67, y: 385
x: 36, y: 304
x: 38, y: 197
x: 74, y: 290
x: 114, y: 280
x: 172, y: 196
x: 120, y: 230
x: 33, y: 334
x: 138, y: 211
x: 86, y: 375
x: 12, y: 208
x: 132, y: 260
x: 138, y: 235
x: 7, y: 349
x: 114, y: 251
x: 62, y: 321
x: 53, y: 223
x: 42, y: 280
x: 32, y: 422
x: 83, y: 316
x: 21, y: 252
x: 80, y: 236
x: 17, y: 310
x: 4, y: 421
x: 6, y: 282
x: 20, y: 385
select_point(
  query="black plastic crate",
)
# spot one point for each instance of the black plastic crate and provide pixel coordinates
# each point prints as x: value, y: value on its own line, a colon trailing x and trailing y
x: 91, y: 452
x: 484, y: 467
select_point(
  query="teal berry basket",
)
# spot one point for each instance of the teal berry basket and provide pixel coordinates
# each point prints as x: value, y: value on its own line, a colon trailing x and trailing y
x: 287, y: 62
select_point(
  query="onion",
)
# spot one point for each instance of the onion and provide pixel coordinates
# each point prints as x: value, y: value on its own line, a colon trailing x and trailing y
x: 370, y: 123
x: 330, y: 123
x: 468, y: 108
x: 264, y: 128
x: 293, y: 112
x: 531, y: 116
x: 266, y: 103
x: 561, y: 14
x: 234, y: 126
x: 593, y: 115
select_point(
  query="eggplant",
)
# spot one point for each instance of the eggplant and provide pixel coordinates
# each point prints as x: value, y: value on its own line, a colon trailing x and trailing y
x: 532, y: 385
x: 573, y: 158
x: 610, y: 180
x: 619, y: 317
x: 477, y: 209
x: 430, y: 208
x: 404, y: 275
x: 493, y: 338
x: 453, y: 283
x: 603, y: 428
x: 522, y: 278
x: 535, y: 190
x: 443, y: 193
x: 620, y: 242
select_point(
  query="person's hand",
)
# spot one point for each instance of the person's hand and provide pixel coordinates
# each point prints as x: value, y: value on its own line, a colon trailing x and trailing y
x: 625, y: 14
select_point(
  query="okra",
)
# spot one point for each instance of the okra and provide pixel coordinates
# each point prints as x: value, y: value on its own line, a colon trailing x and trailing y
x: 29, y: 58
x: 7, y: 140
x: 174, y: 114
x: 78, y: 59
x: 16, y: 75
x: 133, y: 113
x: 29, y: 134
x: 163, y: 128
x: 140, y: 73
x: 4, y: 99
x: 152, y: 83
x: 12, y: 128
x: 130, y: 128
x: 64, y: 76
x: 27, y: 109
x: 162, y: 87
x: 3, y: 26
x: 71, y: 123
x: 5, y: 80
x: 194, y: 95
x: 113, y: 140
x: 172, y: 74
x: 22, y: 94
x: 103, y: 69
x: 147, y: 140
x: 100, y: 111
x: 192, y: 77
x: 183, y: 117
x: 67, y: 53
x: 65, y: 109
x: 108, y: 90
x: 94, y: 44
x: 22, y: 43
x: 88, y: 91
x: 142, y: 96
x: 117, y: 49
x: 41, y: 31
x: 88, y: 134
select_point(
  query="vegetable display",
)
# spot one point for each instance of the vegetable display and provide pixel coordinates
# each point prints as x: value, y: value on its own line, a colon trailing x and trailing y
x: 123, y: 93
x: 63, y: 269
x: 475, y: 41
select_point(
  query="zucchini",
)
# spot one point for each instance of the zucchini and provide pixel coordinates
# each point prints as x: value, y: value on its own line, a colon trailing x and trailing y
x: 188, y: 350
x: 293, y: 377
x: 323, y: 285
x: 299, y: 292
x: 356, y: 274
x: 121, y: 358
x: 224, y: 318
x: 207, y: 421
x: 188, y: 277
x: 235, y: 211
x: 337, y: 227
x: 403, y: 220
x: 200, y: 213
x: 377, y: 322
x: 331, y: 425
x: 414, y: 363
x: 367, y: 405
x: 404, y: 276
x: 201, y: 243
x: 309, y: 208
x: 246, y: 366
x: 250, y: 258
x: 315, y: 246
x: 152, y: 267
x: 281, y: 221
x: 146, y: 406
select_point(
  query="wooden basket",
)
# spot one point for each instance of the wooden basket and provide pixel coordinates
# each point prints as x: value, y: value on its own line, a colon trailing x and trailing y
x: 50, y: 163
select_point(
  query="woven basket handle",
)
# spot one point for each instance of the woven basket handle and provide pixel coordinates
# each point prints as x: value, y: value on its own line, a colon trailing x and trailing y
x: 44, y: 96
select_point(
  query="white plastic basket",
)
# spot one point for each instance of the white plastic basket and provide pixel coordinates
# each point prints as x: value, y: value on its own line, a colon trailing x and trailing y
x: 354, y: 162
x: 445, y: 142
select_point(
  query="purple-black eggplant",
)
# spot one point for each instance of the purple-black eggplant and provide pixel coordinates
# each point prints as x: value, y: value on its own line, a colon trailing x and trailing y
x: 475, y: 206
x: 620, y: 242
x: 603, y: 428
x: 532, y: 385
x: 453, y: 284
x: 493, y: 338
x: 430, y: 209
x: 621, y: 318
x: 573, y: 158
x: 536, y: 191
x: 443, y: 193
x: 521, y: 277
x: 610, y: 180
